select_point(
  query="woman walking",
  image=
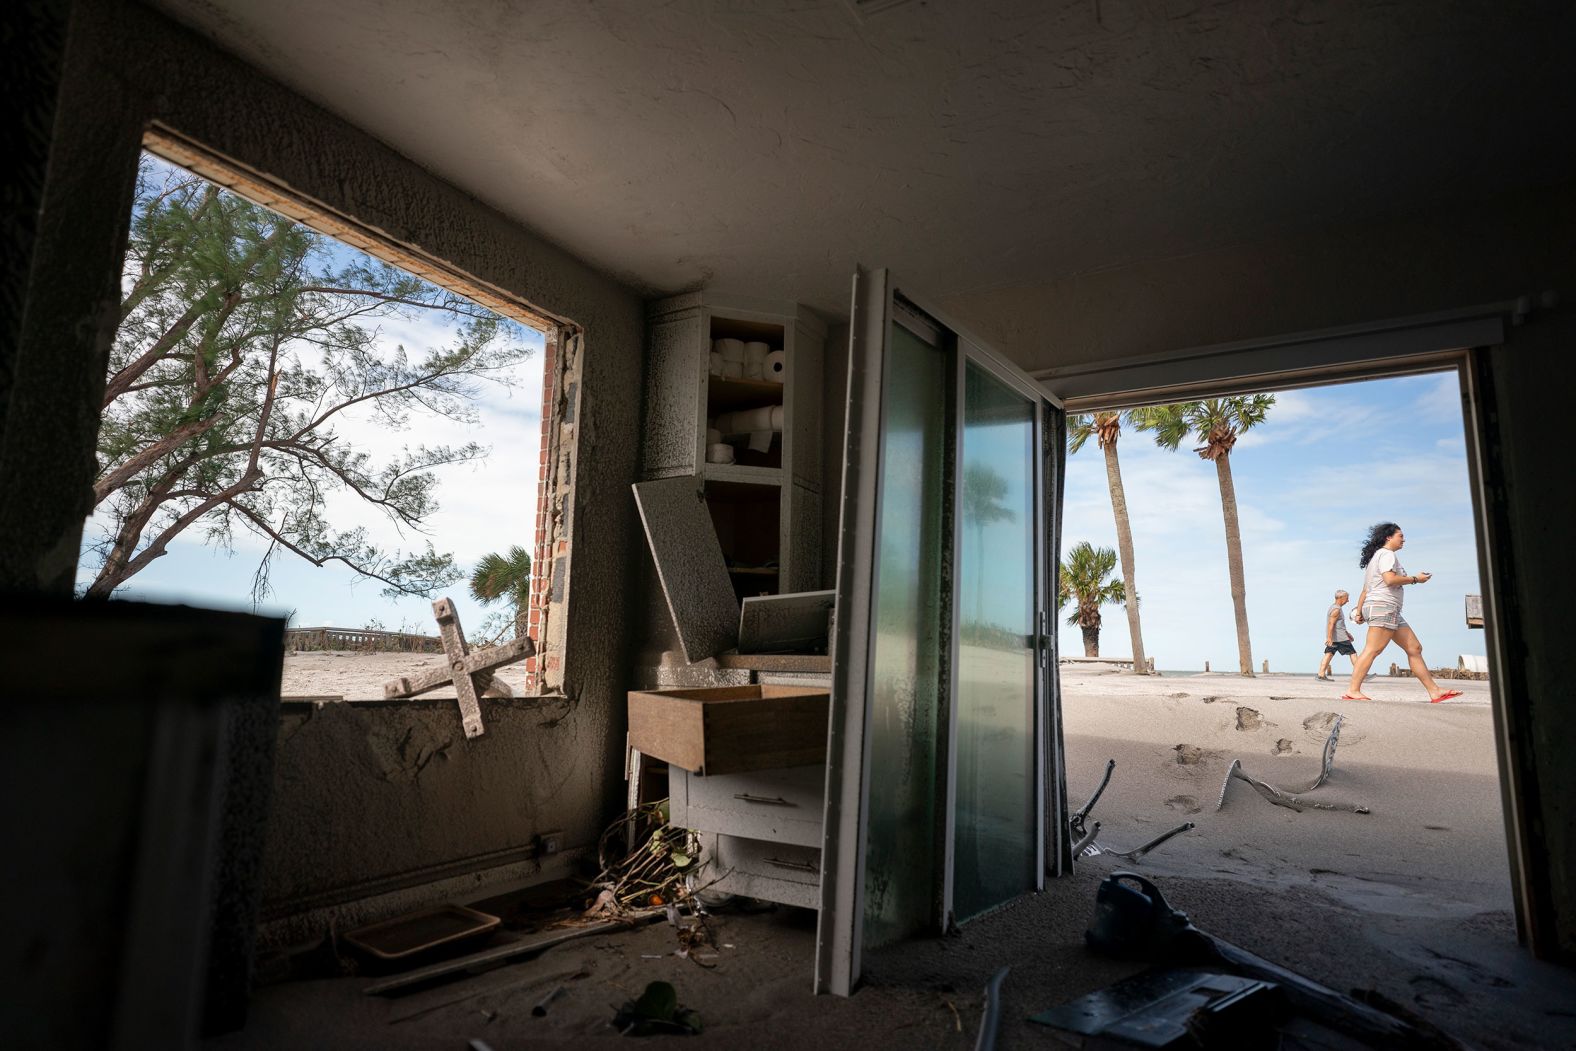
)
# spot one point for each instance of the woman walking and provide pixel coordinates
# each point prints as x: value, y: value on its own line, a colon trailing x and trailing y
x: 1379, y: 607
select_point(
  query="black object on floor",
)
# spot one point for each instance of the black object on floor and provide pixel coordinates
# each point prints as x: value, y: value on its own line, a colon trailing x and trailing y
x: 1177, y: 1008
x: 1134, y: 921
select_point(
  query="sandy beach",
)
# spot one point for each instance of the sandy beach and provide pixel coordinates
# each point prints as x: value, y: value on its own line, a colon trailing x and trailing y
x: 360, y: 676
x: 1432, y: 842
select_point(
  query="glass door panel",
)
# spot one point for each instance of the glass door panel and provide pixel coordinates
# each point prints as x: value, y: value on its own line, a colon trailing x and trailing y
x: 996, y: 811
x: 905, y: 682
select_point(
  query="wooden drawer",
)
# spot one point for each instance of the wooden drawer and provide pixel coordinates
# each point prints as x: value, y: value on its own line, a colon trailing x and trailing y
x: 730, y: 729
x: 780, y: 806
x: 780, y: 872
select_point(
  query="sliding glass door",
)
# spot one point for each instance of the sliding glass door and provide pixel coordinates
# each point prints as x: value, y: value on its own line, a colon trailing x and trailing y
x: 936, y: 807
x: 996, y: 810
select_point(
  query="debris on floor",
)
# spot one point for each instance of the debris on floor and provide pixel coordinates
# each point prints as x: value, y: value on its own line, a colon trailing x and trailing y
x: 1083, y: 834
x: 656, y: 1011
x: 1177, y: 1008
x: 651, y: 873
x: 990, y: 1018
x: 1292, y: 798
x: 1134, y: 921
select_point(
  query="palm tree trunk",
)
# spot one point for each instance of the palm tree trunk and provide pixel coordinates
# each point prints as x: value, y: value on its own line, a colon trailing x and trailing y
x: 1239, y: 589
x: 1090, y: 625
x: 1124, y: 545
x: 1091, y: 637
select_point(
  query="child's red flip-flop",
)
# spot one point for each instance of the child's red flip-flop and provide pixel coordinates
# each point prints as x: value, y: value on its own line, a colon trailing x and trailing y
x: 1349, y: 697
x: 1445, y: 696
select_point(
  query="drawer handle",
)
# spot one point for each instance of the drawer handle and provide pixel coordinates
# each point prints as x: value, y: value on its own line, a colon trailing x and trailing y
x: 799, y: 866
x: 767, y: 800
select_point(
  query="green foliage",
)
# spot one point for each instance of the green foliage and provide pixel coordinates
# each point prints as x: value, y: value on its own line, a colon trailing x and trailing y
x: 1083, y: 582
x: 244, y: 340
x: 1104, y: 427
x: 504, y: 577
x: 1216, y: 422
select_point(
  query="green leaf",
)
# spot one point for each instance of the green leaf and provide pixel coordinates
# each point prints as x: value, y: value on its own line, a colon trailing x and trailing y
x: 657, y: 1003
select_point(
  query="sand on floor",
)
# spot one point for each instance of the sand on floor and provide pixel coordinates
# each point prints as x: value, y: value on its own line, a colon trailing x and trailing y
x: 1411, y: 898
x: 1433, y: 837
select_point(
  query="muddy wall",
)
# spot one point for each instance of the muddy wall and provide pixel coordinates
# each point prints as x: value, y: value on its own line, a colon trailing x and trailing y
x: 375, y: 803
x: 126, y: 69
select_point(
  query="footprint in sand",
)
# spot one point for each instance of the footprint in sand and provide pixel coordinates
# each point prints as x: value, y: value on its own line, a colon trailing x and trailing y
x: 1193, y: 755
x: 1317, y: 726
x: 1283, y: 746
x: 1428, y: 991
x: 1211, y: 700
x: 1186, y: 804
x: 1249, y: 719
x: 1178, y: 696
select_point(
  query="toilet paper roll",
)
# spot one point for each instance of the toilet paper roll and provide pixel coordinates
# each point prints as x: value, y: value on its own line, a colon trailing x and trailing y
x: 755, y: 353
x: 761, y: 441
x: 732, y: 369
x: 715, y: 364
x: 713, y: 436
x: 753, y: 370
x: 730, y: 349
x: 747, y: 421
x: 719, y: 453
x: 774, y: 366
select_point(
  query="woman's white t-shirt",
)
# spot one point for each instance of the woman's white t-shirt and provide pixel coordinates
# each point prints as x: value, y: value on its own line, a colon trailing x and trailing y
x: 1379, y: 592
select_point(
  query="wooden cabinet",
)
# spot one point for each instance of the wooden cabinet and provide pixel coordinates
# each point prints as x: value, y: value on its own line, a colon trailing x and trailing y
x: 766, y: 505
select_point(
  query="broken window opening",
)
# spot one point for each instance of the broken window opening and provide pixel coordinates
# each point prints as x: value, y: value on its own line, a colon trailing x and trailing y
x: 268, y: 352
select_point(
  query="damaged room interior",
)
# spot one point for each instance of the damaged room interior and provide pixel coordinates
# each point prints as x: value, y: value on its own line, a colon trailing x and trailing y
x: 782, y: 525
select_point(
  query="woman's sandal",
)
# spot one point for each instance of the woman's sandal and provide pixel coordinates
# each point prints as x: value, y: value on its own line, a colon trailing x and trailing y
x: 1349, y: 697
x: 1444, y: 696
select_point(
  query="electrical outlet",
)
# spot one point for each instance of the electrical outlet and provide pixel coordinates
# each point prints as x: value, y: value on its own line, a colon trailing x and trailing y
x: 551, y: 842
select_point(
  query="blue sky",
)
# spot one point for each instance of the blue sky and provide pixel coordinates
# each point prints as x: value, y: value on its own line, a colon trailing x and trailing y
x: 486, y: 506
x: 1326, y: 464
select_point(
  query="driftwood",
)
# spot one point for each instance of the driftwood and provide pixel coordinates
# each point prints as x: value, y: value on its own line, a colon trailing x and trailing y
x: 471, y: 673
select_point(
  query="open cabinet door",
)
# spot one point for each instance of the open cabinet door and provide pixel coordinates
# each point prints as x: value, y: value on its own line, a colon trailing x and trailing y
x: 944, y: 777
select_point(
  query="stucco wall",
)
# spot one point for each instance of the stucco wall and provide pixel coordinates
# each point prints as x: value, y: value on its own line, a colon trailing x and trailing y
x: 127, y: 68
x: 376, y: 799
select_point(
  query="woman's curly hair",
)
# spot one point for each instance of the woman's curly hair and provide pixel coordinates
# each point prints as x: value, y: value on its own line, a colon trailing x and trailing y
x: 1377, y: 535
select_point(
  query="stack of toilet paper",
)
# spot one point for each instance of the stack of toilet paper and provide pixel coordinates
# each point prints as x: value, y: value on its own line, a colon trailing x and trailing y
x: 736, y: 359
x: 760, y: 424
x: 717, y: 450
x: 727, y: 358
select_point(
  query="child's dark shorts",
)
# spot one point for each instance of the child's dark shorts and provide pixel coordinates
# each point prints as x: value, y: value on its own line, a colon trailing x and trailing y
x: 1341, y: 647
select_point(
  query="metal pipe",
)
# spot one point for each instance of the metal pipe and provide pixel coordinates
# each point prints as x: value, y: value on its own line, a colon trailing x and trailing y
x: 990, y: 1022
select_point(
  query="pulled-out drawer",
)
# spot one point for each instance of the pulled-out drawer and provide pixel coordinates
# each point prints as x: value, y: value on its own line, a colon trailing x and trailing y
x: 780, y: 872
x: 783, y: 806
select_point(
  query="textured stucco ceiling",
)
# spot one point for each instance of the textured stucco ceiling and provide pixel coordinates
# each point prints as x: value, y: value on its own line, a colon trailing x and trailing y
x: 971, y: 144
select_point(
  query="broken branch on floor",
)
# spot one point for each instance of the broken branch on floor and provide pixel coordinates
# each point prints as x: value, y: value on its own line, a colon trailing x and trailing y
x: 1293, y: 798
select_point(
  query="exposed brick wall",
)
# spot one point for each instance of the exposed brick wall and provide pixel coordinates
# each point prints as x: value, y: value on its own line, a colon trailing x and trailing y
x: 541, y: 562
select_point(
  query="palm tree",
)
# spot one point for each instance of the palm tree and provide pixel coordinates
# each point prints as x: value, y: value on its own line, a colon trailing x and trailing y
x: 983, y: 493
x: 1106, y: 428
x: 505, y: 577
x: 1216, y: 422
x: 1083, y: 582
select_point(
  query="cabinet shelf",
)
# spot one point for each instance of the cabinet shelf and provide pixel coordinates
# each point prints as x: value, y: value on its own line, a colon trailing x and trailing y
x: 724, y: 394
x: 742, y: 473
